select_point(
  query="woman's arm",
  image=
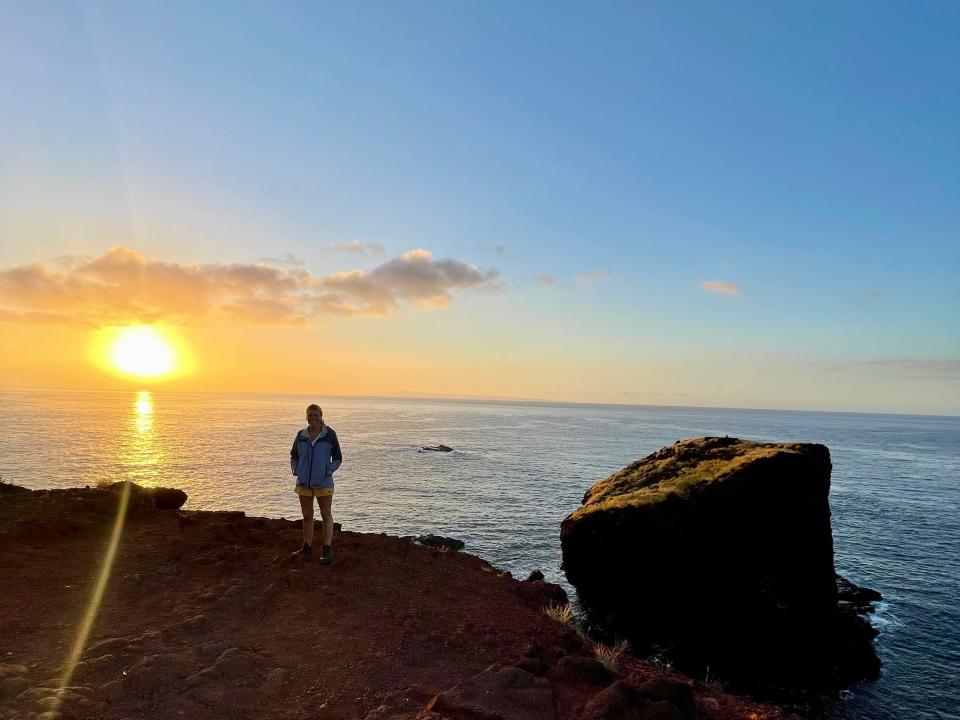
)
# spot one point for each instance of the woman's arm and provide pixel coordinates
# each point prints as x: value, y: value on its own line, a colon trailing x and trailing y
x: 294, y: 456
x: 336, y: 455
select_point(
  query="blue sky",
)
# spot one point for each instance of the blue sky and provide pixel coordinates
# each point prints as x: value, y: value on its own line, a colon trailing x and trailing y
x: 807, y: 152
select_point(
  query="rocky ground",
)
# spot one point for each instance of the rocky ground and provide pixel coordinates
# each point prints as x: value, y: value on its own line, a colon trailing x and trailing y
x: 204, y: 616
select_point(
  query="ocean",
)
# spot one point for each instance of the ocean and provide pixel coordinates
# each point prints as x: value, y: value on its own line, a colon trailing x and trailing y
x: 517, y: 469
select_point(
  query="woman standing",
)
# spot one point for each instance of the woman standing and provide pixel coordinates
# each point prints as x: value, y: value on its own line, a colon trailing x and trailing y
x: 314, y: 457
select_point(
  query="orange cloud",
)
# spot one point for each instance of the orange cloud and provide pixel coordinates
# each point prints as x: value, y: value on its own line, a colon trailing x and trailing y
x: 124, y: 286
x: 721, y: 287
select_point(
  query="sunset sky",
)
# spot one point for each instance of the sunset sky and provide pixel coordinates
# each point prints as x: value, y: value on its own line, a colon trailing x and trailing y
x: 723, y: 204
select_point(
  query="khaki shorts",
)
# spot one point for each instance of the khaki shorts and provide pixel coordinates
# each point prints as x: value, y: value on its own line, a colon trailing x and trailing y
x: 313, y: 492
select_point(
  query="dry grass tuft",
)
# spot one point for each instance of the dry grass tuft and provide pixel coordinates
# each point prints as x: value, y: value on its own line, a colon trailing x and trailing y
x: 713, y: 682
x: 609, y: 655
x: 562, y: 614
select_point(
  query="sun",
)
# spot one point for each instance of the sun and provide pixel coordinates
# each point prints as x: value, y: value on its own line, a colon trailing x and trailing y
x: 144, y: 352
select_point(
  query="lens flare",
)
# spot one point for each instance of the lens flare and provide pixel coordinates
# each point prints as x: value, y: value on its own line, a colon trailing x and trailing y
x: 96, y: 597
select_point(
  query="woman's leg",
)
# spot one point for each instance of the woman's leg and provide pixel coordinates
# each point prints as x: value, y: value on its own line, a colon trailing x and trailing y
x: 326, y: 512
x: 306, y: 506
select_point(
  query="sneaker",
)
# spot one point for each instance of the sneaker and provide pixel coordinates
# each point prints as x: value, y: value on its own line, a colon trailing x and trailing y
x: 326, y: 555
x: 303, y: 553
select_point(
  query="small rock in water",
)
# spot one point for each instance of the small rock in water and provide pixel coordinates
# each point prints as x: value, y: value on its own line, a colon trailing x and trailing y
x: 437, y: 448
x: 535, y: 576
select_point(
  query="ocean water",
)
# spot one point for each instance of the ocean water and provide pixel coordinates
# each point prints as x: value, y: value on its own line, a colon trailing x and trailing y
x: 517, y: 470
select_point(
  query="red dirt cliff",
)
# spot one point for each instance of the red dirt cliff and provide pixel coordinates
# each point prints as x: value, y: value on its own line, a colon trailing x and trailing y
x: 204, y: 616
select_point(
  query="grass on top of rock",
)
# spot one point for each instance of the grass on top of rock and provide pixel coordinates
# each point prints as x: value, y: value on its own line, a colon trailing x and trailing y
x: 676, y: 469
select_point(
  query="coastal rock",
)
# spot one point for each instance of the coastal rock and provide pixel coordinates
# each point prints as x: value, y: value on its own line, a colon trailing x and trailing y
x: 437, y: 448
x: 721, y: 551
x: 535, y: 575
x: 542, y: 594
x: 438, y: 541
x: 169, y: 498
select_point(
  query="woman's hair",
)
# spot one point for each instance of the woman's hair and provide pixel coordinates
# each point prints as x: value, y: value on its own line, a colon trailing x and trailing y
x: 314, y: 406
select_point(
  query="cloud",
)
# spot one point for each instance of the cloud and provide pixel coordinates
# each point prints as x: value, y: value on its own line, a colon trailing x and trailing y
x: 283, y: 259
x: 124, y: 286
x: 721, y: 287
x: 908, y: 367
x: 588, y: 279
x: 355, y: 247
x: 546, y: 279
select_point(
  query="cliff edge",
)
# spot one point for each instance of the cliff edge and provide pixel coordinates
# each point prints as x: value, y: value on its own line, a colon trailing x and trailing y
x: 202, y: 615
x: 720, y: 551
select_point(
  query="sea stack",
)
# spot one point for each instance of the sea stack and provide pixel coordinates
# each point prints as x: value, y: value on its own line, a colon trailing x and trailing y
x: 720, y: 551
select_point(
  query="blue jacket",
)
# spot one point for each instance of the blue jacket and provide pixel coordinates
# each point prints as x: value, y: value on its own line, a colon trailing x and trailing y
x: 314, y: 463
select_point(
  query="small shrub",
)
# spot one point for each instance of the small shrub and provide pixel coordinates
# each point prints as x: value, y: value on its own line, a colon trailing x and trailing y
x: 608, y: 655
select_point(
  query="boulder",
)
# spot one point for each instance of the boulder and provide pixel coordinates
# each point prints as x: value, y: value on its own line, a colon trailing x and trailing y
x: 438, y: 541
x: 169, y: 498
x: 622, y: 701
x: 721, y: 550
x: 507, y: 692
x: 580, y: 670
x: 542, y: 594
x: 437, y: 448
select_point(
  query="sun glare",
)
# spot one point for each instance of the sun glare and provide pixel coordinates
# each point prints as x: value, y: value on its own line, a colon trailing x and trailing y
x: 140, y: 351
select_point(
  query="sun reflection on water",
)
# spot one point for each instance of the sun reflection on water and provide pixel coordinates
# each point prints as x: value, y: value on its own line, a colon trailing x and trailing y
x: 141, y: 452
x: 143, y: 412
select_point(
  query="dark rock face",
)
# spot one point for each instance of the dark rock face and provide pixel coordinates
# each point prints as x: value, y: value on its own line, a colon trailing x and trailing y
x: 721, y: 551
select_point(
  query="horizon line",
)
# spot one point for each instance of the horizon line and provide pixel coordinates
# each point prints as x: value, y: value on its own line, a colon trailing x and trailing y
x: 488, y: 399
